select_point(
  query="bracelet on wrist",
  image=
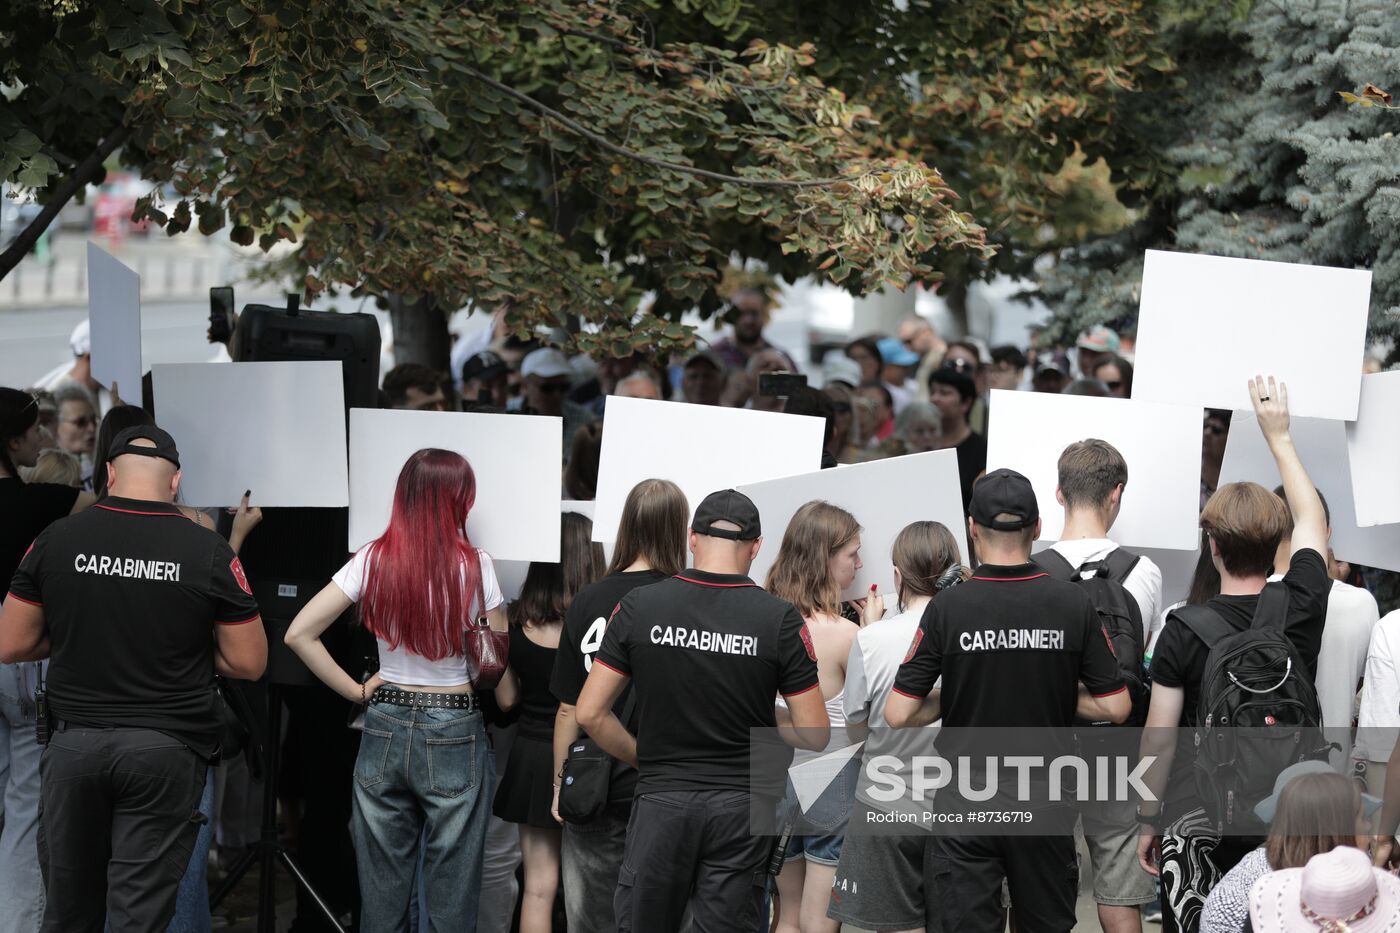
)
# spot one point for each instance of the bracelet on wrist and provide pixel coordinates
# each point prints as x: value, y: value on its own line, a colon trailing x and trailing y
x: 1149, y: 819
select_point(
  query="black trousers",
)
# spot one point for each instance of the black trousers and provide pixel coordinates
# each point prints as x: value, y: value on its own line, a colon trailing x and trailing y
x: 684, y: 844
x: 118, y: 817
x: 964, y: 875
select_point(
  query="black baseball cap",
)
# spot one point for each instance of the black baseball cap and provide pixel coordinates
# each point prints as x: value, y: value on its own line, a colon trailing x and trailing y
x: 727, y: 505
x: 164, y: 444
x: 1004, y: 492
x: 484, y: 365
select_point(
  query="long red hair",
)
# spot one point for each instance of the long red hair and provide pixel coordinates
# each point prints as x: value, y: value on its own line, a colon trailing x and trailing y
x: 423, y: 576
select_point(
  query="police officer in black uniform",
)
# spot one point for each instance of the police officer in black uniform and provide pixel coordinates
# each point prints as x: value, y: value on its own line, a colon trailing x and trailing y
x: 707, y: 652
x: 1014, y: 648
x: 136, y: 607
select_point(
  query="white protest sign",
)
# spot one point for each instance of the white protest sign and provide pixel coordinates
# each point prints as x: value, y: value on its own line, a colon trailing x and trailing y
x: 700, y: 448
x: 883, y: 495
x: 1027, y: 432
x: 1373, y: 448
x: 277, y: 429
x: 114, y: 322
x: 511, y: 573
x: 1206, y: 324
x: 1322, y: 445
x: 515, y: 459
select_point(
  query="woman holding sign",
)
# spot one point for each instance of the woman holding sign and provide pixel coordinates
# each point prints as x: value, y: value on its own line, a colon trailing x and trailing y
x: 423, y: 754
x: 818, y: 560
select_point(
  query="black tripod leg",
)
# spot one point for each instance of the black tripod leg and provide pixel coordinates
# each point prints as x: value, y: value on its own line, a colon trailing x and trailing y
x: 295, y: 869
x: 235, y: 875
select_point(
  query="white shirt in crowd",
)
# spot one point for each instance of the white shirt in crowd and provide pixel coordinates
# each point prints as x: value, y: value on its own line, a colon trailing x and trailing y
x: 1378, y: 725
x: 1351, y: 615
x: 876, y: 653
x: 399, y: 665
x: 1144, y: 582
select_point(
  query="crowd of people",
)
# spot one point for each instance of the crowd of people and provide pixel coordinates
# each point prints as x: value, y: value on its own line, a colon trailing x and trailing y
x: 579, y: 755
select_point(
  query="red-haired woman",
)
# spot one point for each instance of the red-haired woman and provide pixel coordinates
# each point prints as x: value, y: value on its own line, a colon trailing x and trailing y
x: 422, y: 759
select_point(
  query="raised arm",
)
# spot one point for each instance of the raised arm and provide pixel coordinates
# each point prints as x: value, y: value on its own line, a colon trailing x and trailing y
x: 1270, y: 400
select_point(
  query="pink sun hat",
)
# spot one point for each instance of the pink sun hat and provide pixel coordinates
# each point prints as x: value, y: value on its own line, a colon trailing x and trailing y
x: 1336, y: 892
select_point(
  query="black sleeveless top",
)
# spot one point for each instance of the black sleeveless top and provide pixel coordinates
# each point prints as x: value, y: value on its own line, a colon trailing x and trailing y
x: 533, y: 664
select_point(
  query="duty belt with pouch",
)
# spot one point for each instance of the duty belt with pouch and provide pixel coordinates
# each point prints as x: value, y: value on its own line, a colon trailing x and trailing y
x: 43, y: 716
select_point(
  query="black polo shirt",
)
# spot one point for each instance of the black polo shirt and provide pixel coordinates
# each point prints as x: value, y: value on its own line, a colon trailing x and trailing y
x: 708, y: 654
x: 1012, y: 645
x: 131, y: 592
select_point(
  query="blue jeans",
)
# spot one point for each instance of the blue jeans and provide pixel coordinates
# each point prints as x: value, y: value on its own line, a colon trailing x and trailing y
x: 21, y: 886
x: 192, y: 901
x: 421, y: 775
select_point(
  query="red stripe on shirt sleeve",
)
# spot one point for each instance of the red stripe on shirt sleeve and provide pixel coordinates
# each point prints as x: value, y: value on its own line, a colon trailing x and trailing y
x: 255, y: 617
x: 1111, y: 693
x: 13, y: 595
x: 909, y: 695
x: 797, y: 693
x: 610, y: 667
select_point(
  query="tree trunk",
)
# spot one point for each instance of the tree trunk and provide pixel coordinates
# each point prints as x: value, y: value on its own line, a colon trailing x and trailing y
x: 420, y: 332
x: 955, y: 297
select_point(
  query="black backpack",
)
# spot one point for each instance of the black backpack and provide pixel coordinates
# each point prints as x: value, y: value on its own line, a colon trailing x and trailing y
x: 1118, y: 611
x: 1258, y: 711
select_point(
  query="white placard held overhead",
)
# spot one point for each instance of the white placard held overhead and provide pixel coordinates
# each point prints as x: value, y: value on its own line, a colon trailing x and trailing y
x: 114, y: 322
x: 700, y: 448
x: 1373, y: 447
x: 1206, y: 324
x: 1322, y: 445
x: 883, y: 495
x: 515, y: 459
x: 511, y: 573
x: 277, y: 429
x: 1027, y: 432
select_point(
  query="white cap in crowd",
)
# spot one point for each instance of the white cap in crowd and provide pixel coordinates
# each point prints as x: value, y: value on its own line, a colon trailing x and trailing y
x: 81, y: 339
x: 838, y: 367
x: 546, y: 362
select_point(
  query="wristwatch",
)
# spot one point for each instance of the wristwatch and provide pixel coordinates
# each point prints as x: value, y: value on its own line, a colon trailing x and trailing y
x: 1150, y: 819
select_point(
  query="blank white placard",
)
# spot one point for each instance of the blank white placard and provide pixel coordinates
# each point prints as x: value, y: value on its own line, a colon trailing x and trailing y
x: 275, y: 428
x: 114, y: 322
x: 515, y: 459
x: 1027, y: 432
x: 1322, y: 445
x: 1206, y: 324
x: 883, y: 495
x: 1373, y: 447
x: 511, y: 573
x: 700, y: 448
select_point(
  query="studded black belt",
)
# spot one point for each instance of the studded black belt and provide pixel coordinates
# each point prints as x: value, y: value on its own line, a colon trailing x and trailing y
x: 391, y: 697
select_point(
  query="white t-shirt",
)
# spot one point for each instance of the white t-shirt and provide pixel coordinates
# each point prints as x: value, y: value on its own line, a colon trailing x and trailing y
x: 876, y: 653
x: 1379, y: 722
x: 1346, y: 632
x: 1144, y: 582
x: 399, y: 665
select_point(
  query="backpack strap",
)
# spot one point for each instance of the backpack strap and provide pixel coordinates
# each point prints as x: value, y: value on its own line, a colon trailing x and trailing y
x: 1204, y: 622
x: 1055, y: 564
x: 1271, y: 612
x: 1120, y: 562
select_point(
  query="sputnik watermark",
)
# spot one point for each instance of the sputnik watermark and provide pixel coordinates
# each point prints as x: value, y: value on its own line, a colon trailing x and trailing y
x: 1067, y: 778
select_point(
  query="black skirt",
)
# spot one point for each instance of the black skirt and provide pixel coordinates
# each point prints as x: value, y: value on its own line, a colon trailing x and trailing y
x: 525, y: 789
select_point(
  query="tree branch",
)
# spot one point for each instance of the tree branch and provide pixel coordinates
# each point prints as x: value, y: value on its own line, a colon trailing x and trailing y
x: 603, y: 142
x: 85, y: 172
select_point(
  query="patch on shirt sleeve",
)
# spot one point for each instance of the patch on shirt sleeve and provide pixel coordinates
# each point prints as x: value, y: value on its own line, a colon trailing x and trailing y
x: 914, y: 645
x: 807, y: 642
x: 237, y: 567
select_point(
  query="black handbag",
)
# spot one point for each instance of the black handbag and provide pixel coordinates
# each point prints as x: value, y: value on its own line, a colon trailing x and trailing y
x: 586, y: 782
